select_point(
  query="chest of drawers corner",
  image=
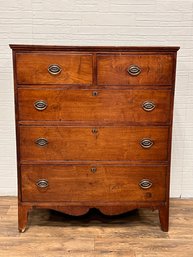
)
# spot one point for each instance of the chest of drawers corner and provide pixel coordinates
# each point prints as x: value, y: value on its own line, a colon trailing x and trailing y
x: 94, y: 128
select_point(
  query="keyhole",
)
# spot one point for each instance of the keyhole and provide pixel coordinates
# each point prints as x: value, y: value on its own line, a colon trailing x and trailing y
x: 93, y: 169
x: 95, y: 93
x: 94, y: 130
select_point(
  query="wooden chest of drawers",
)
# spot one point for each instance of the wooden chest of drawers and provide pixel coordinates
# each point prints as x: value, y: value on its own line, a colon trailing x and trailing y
x: 93, y: 128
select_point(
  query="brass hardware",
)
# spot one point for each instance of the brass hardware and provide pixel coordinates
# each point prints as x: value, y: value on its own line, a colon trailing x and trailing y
x: 42, y: 183
x: 145, y: 183
x: 40, y: 105
x: 54, y: 69
x: 95, y: 93
x: 41, y: 142
x: 134, y: 70
x: 146, y: 143
x: 94, y: 130
x: 93, y: 169
x: 148, y: 106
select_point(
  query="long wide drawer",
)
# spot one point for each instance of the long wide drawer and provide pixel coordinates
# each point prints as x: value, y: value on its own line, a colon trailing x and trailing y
x: 94, y: 143
x: 53, y: 68
x: 94, y: 105
x: 88, y: 183
x: 136, y: 69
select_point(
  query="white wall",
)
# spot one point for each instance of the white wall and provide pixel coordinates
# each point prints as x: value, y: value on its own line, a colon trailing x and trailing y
x: 106, y: 22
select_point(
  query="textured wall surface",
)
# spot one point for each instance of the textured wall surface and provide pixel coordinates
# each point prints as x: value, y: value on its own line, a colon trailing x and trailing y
x: 107, y: 22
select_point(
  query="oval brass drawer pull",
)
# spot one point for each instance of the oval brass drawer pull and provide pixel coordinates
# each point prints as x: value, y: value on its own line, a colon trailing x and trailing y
x: 145, y: 183
x: 41, y: 141
x: 134, y: 70
x: 146, y: 143
x: 54, y: 69
x: 148, y: 106
x: 40, y: 105
x: 42, y: 183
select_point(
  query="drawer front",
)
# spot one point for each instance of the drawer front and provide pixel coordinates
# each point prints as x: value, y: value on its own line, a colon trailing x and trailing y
x: 94, y: 105
x: 105, y: 184
x: 135, y: 69
x: 93, y: 143
x: 53, y: 68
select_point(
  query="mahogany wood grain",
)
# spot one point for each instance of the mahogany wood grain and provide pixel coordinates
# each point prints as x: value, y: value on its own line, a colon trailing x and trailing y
x: 155, y: 69
x: 79, y: 143
x: 73, y: 112
x: 33, y: 68
x: 82, y: 210
x: 23, y: 211
x: 79, y: 183
x: 164, y: 216
x: 94, y: 105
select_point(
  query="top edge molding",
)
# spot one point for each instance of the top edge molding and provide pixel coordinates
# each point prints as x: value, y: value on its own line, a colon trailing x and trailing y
x: 19, y: 47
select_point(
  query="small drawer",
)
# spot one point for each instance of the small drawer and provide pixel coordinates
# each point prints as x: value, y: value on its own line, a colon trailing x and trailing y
x: 59, y: 143
x: 135, y: 69
x: 101, y: 106
x: 43, y: 68
x: 87, y: 183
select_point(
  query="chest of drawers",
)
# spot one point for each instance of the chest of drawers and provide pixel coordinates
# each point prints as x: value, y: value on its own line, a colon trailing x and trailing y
x: 93, y: 128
